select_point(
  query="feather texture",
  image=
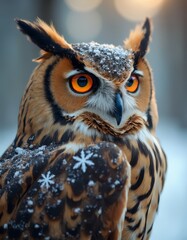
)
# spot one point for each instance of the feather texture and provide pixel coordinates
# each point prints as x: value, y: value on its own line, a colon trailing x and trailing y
x: 85, y: 163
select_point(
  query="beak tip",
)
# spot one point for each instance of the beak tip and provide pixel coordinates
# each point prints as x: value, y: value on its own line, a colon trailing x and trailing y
x: 118, y: 120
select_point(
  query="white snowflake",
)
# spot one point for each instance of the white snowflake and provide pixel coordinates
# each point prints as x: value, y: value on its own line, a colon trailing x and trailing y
x: 46, y: 180
x: 83, y: 161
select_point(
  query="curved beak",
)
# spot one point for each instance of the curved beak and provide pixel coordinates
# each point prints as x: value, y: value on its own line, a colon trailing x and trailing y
x: 118, y: 111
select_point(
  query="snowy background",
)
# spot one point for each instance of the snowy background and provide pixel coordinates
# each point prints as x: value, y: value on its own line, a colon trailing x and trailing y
x: 109, y: 21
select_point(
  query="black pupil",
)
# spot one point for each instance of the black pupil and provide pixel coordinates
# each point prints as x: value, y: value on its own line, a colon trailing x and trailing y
x: 130, y: 82
x: 82, y: 81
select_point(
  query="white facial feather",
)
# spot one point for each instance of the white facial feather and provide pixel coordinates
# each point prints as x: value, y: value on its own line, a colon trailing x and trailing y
x: 129, y: 102
x: 72, y: 73
x: 80, y: 126
x: 103, y: 99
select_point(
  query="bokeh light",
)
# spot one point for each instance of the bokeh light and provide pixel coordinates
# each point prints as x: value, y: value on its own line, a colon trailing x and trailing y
x: 83, y: 5
x: 135, y: 10
x: 85, y: 26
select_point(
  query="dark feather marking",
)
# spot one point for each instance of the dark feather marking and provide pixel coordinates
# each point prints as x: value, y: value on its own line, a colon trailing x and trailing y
x: 59, y: 167
x: 158, y: 201
x: 28, y: 181
x: 39, y: 165
x: 35, y: 136
x: 21, y: 118
x: 149, y: 119
x: 1, y: 214
x: 23, y: 215
x: 15, y: 140
x: 142, y: 147
x: 140, y: 198
x: 106, y: 138
x: 150, y: 229
x: 14, y: 230
x: 129, y: 219
x: 157, y: 156
x: 57, y: 111
x: 72, y: 232
x: 134, y: 227
x: 144, y: 43
x: 134, y: 209
x: 58, y: 154
x: 139, y: 181
x: 38, y: 232
x: 20, y: 141
x: 67, y: 136
x: 134, y: 157
x: 156, y: 160
x: 55, y: 211
x: 152, y: 175
x: 126, y: 142
x: 73, y: 204
x: 74, y: 217
x: 14, y: 192
x: 39, y: 132
x: 142, y: 234
x: 46, y: 140
x: 151, y: 166
x: 111, y: 199
x: 24, y: 120
x: 55, y: 137
x: 2, y: 230
x: 78, y: 186
x: 90, y: 215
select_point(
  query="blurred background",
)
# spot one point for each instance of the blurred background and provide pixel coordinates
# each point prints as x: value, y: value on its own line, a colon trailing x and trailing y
x: 109, y: 21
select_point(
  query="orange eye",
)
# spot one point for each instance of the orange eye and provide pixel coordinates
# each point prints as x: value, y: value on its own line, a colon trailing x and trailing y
x: 81, y: 83
x: 132, y: 84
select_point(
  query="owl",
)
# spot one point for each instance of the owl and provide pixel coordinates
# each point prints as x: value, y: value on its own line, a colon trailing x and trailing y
x: 85, y: 163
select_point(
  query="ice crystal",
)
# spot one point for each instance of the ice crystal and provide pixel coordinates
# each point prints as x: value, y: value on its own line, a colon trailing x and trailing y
x: 46, y: 180
x: 83, y: 161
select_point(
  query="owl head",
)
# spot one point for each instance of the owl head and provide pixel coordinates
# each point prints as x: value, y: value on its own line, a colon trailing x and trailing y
x: 90, y: 87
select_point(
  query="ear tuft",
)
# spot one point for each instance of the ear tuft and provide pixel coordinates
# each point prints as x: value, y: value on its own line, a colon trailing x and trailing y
x: 138, y: 40
x: 145, y: 41
x: 44, y: 36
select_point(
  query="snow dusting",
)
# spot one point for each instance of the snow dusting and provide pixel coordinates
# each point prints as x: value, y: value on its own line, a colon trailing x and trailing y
x: 91, y: 183
x: 5, y: 226
x: 77, y: 210
x: 30, y: 210
x: 100, y: 211
x: 30, y: 202
x: 20, y: 151
x: 83, y: 161
x: 106, y: 58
